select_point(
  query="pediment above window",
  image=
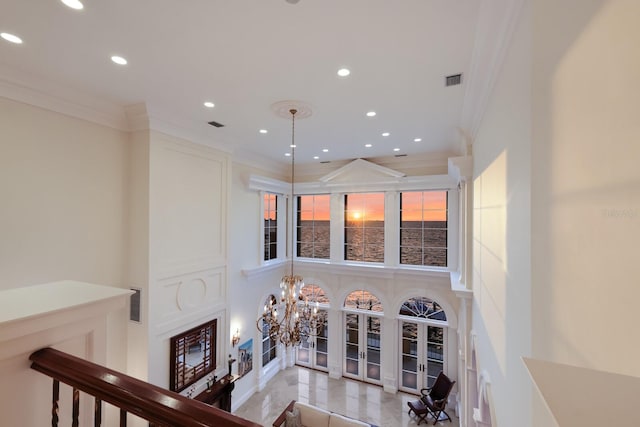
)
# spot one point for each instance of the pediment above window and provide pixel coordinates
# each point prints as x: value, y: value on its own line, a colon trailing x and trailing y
x: 361, y: 171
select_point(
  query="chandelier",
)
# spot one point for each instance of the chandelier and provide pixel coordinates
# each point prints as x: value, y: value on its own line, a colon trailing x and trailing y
x: 291, y: 320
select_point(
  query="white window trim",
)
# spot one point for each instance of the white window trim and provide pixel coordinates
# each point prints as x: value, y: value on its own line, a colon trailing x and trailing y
x: 392, y: 188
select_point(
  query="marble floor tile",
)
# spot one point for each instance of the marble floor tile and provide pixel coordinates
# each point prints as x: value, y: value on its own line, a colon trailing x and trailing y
x: 354, y: 399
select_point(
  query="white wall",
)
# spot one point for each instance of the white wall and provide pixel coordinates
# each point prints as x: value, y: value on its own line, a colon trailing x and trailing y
x: 501, y: 235
x: 62, y: 186
x: 188, y: 204
x: 247, y: 295
x: 586, y: 204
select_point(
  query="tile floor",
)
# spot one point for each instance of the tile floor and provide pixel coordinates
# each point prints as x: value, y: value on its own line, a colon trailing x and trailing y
x: 351, y: 398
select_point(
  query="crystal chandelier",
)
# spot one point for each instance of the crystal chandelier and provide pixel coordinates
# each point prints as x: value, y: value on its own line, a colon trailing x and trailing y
x: 291, y: 320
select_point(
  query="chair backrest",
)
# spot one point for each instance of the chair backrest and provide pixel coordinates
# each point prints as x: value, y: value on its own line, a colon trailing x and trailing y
x: 441, y: 387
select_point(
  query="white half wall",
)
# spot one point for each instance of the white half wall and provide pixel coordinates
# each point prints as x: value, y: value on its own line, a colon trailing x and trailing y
x: 63, y: 197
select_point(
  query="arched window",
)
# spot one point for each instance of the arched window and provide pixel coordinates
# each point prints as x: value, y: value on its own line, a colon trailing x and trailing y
x: 423, y: 307
x: 268, y: 344
x: 314, y: 294
x: 363, y: 300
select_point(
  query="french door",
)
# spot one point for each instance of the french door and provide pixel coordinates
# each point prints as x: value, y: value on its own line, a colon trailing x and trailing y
x: 314, y: 352
x: 422, y: 355
x: 362, y: 335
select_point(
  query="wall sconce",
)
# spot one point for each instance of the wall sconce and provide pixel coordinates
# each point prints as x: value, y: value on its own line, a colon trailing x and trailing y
x: 235, y: 339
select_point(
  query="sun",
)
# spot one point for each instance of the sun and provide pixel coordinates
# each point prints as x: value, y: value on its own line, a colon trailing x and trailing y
x: 356, y: 215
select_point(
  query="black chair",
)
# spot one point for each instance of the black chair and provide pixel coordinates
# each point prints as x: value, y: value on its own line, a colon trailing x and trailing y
x: 433, y: 400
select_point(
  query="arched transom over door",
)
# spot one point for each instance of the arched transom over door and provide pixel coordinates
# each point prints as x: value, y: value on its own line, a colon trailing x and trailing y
x: 363, y: 313
x: 423, y: 343
x: 314, y: 353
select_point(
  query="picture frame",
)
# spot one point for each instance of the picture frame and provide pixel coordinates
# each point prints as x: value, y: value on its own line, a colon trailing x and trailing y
x: 245, y: 358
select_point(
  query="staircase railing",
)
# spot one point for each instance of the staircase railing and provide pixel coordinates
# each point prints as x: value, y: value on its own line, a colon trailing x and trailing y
x: 159, y: 406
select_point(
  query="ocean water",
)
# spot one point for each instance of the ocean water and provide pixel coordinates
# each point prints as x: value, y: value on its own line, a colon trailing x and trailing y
x: 421, y: 243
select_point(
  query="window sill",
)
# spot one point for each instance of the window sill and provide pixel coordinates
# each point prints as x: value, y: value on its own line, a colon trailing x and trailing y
x: 264, y: 269
x: 350, y: 268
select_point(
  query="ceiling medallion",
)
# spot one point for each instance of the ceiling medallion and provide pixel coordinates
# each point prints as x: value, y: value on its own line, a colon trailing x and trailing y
x: 283, y: 109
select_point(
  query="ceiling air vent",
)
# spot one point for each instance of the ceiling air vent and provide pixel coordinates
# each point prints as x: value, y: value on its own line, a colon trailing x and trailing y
x: 325, y: 161
x: 453, y: 80
x: 400, y: 155
x: 216, y: 124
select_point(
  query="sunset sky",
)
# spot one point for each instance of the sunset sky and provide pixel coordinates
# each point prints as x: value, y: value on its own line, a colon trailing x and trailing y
x: 370, y: 206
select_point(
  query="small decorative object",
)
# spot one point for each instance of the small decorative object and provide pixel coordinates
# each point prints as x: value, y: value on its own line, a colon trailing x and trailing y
x: 231, y: 360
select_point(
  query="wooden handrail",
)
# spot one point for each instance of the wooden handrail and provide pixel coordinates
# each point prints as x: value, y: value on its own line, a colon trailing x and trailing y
x: 150, y: 402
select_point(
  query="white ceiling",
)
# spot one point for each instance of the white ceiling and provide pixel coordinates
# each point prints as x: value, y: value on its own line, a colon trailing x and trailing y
x: 244, y: 55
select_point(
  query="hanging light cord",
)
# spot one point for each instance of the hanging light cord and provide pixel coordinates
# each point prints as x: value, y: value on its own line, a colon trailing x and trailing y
x: 293, y: 112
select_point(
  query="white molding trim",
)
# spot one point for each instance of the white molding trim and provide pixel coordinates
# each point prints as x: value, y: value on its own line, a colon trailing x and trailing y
x: 360, y: 164
x: 408, y: 183
x: 497, y: 21
x: 71, y: 103
x: 460, y: 168
x: 263, y: 270
x: 262, y: 183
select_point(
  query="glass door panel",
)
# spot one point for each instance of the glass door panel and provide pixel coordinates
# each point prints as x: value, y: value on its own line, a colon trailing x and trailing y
x: 373, y: 348
x: 321, y: 344
x: 409, y: 368
x: 362, y: 348
x: 313, y: 353
x: 352, y: 344
x: 421, y: 355
x: 435, y: 353
x: 304, y: 353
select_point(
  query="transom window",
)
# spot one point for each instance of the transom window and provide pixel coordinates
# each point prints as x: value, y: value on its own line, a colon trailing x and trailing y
x: 363, y: 300
x: 364, y: 227
x: 270, y: 226
x: 423, y: 228
x: 314, y: 294
x: 313, y: 222
x: 423, y: 307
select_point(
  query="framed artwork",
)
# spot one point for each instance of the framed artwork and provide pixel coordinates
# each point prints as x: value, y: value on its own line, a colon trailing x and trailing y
x: 193, y: 355
x: 245, y: 358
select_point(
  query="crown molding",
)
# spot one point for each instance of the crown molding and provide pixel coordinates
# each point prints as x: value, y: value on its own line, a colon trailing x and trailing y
x: 40, y: 93
x: 461, y: 168
x: 497, y: 20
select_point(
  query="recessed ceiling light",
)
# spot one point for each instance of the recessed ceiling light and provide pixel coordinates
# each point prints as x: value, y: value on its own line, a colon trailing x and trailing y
x: 119, y: 60
x: 209, y: 104
x: 371, y: 114
x: 385, y: 134
x: 396, y: 149
x: 316, y: 157
x: 287, y: 154
x: 344, y: 72
x: 263, y: 131
x: 367, y: 145
x: 325, y: 150
x: 11, y: 38
x: 73, y: 4
x: 417, y: 139
x: 292, y: 145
